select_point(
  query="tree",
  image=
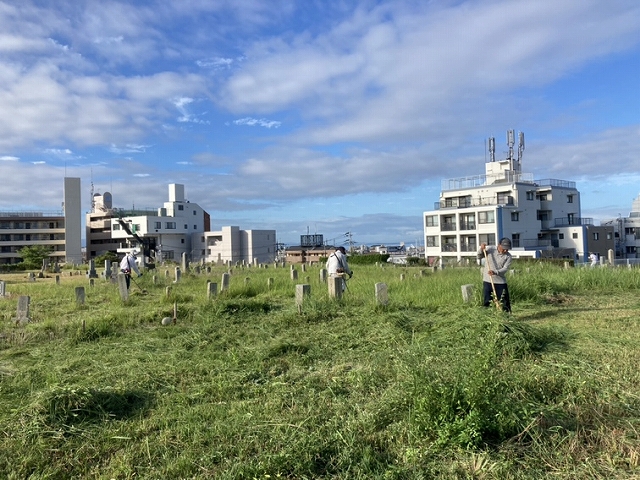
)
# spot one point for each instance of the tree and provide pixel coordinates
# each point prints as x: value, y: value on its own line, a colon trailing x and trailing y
x: 33, y: 256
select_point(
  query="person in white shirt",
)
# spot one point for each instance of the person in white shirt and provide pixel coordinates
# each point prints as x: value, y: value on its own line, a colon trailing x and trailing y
x: 594, y: 259
x: 129, y: 263
x: 337, y: 266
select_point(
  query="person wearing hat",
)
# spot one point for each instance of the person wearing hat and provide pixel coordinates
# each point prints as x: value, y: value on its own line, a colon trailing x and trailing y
x: 337, y: 265
x: 128, y: 263
x: 496, y: 266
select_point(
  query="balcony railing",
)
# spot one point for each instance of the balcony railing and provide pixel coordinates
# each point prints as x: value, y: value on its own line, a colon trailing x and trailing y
x: 467, y: 225
x: 566, y: 222
x: 475, y: 202
x: 449, y: 247
x: 448, y: 227
x: 468, y: 247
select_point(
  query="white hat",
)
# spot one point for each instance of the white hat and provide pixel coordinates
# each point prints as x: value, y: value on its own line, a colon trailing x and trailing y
x: 134, y: 252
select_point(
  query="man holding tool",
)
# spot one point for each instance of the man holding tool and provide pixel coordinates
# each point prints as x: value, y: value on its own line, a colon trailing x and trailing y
x: 496, y: 266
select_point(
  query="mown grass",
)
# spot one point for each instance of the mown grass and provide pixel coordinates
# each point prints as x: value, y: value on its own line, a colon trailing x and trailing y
x: 246, y: 386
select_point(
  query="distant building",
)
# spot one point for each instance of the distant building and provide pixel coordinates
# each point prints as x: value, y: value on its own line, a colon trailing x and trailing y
x: 231, y: 245
x: 540, y: 217
x: 179, y: 227
x: 627, y: 233
x: 60, y: 231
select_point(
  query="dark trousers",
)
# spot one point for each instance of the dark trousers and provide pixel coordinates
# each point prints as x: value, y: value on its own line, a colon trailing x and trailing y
x: 502, y: 292
x: 127, y: 277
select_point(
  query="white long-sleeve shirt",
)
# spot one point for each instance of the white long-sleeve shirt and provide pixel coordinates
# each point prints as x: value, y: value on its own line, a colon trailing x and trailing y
x: 335, y: 261
x: 128, y: 263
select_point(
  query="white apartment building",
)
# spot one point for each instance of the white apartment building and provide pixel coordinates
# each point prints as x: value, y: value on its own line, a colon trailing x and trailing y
x: 231, y: 245
x: 170, y: 230
x: 627, y: 233
x: 541, y: 217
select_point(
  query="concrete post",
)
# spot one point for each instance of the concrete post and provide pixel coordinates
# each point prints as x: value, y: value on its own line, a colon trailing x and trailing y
x: 382, y: 297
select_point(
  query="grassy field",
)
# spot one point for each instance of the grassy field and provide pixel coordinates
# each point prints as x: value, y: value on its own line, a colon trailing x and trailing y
x: 246, y: 386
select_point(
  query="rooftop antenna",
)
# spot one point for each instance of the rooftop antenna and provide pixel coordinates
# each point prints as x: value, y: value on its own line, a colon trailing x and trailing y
x: 520, y: 145
x: 492, y: 149
x: 511, y: 142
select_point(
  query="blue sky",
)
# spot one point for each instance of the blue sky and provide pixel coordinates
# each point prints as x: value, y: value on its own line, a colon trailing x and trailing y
x: 315, y: 116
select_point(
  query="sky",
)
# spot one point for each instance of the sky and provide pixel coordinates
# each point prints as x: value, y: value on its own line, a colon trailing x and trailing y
x: 315, y: 116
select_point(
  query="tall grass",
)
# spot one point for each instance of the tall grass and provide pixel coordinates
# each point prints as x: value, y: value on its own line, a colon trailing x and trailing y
x: 246, y: 386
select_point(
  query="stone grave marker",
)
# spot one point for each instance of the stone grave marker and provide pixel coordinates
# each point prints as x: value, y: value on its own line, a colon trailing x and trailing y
x: 225, y: 282
x: 22, y: 314
x: 80, y: 296
x: 382, y: 298
x: 122, y: 286
x: 302, y: 291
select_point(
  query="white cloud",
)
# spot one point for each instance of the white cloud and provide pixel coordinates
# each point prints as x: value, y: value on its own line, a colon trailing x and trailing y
x: 9, y: 158
x: 260, y: 122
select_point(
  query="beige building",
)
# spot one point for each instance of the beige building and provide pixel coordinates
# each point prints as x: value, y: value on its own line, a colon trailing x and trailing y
x: 59, y: 231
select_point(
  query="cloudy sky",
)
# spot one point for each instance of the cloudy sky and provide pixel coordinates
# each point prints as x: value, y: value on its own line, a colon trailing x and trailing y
x: 315, y: 116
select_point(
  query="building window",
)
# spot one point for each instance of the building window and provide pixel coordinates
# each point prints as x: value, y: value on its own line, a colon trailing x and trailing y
x: 608, y: 235
x: 569, y: 198
x: 574, y: 235
x: 515, y: 240
x: 170, y: 225
x: 561, y: 236
x: 504, y: 198
x: 488, y: 238
x: 515, y: 216
x: 194, y: 212
x: 530, y: 195
x: 195, y: 227
x: 486, y: 217
x: 116, y: 226
x: 431, y: 220
x: 186, y: 226
x: 432, y: 241
x: 180, y: 207
x: 182, y: 240
x: 596, y: 236
x: 158, y: 225
x: 542, y: 197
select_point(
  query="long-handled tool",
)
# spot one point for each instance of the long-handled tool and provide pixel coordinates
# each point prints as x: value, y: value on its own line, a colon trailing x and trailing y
x: 142, y: 290
x: 493, y: 287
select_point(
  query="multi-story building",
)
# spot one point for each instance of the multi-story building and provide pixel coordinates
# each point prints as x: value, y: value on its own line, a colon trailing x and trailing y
x: 179, y: 227
x: 168, y: 230
x: 627, y: 233
x: 230, y: 245
x: 540, y: 217
x: 59, y: 231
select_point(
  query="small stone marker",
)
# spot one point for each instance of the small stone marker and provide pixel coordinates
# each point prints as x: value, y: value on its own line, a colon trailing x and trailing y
x: 185, y: 262
x: 91, y: 280
x: 3, y: 288
x: 294, y: 274
x: 22, y: 314
x: 178, y: 274
x: 32, y: 277
x: 92, y: 269
x: 302, y: 291
x: 122, y: 287
x: 154, y: 279
x: 80, y: 295
x: 167, y: 321
x: 382, y: 297
x: 196, y: 269
x: 212, y: 289
x: 225, y: 282
x: 335, y: 287
x: 167, y: 292
x: 270, y: 283
x: 57, y: 279
x: 323, y: 275
x: 402, y: 277
x: 304, y: 267
x: 467, y: 292
x: 107, y: 269
x: 246, y: 280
